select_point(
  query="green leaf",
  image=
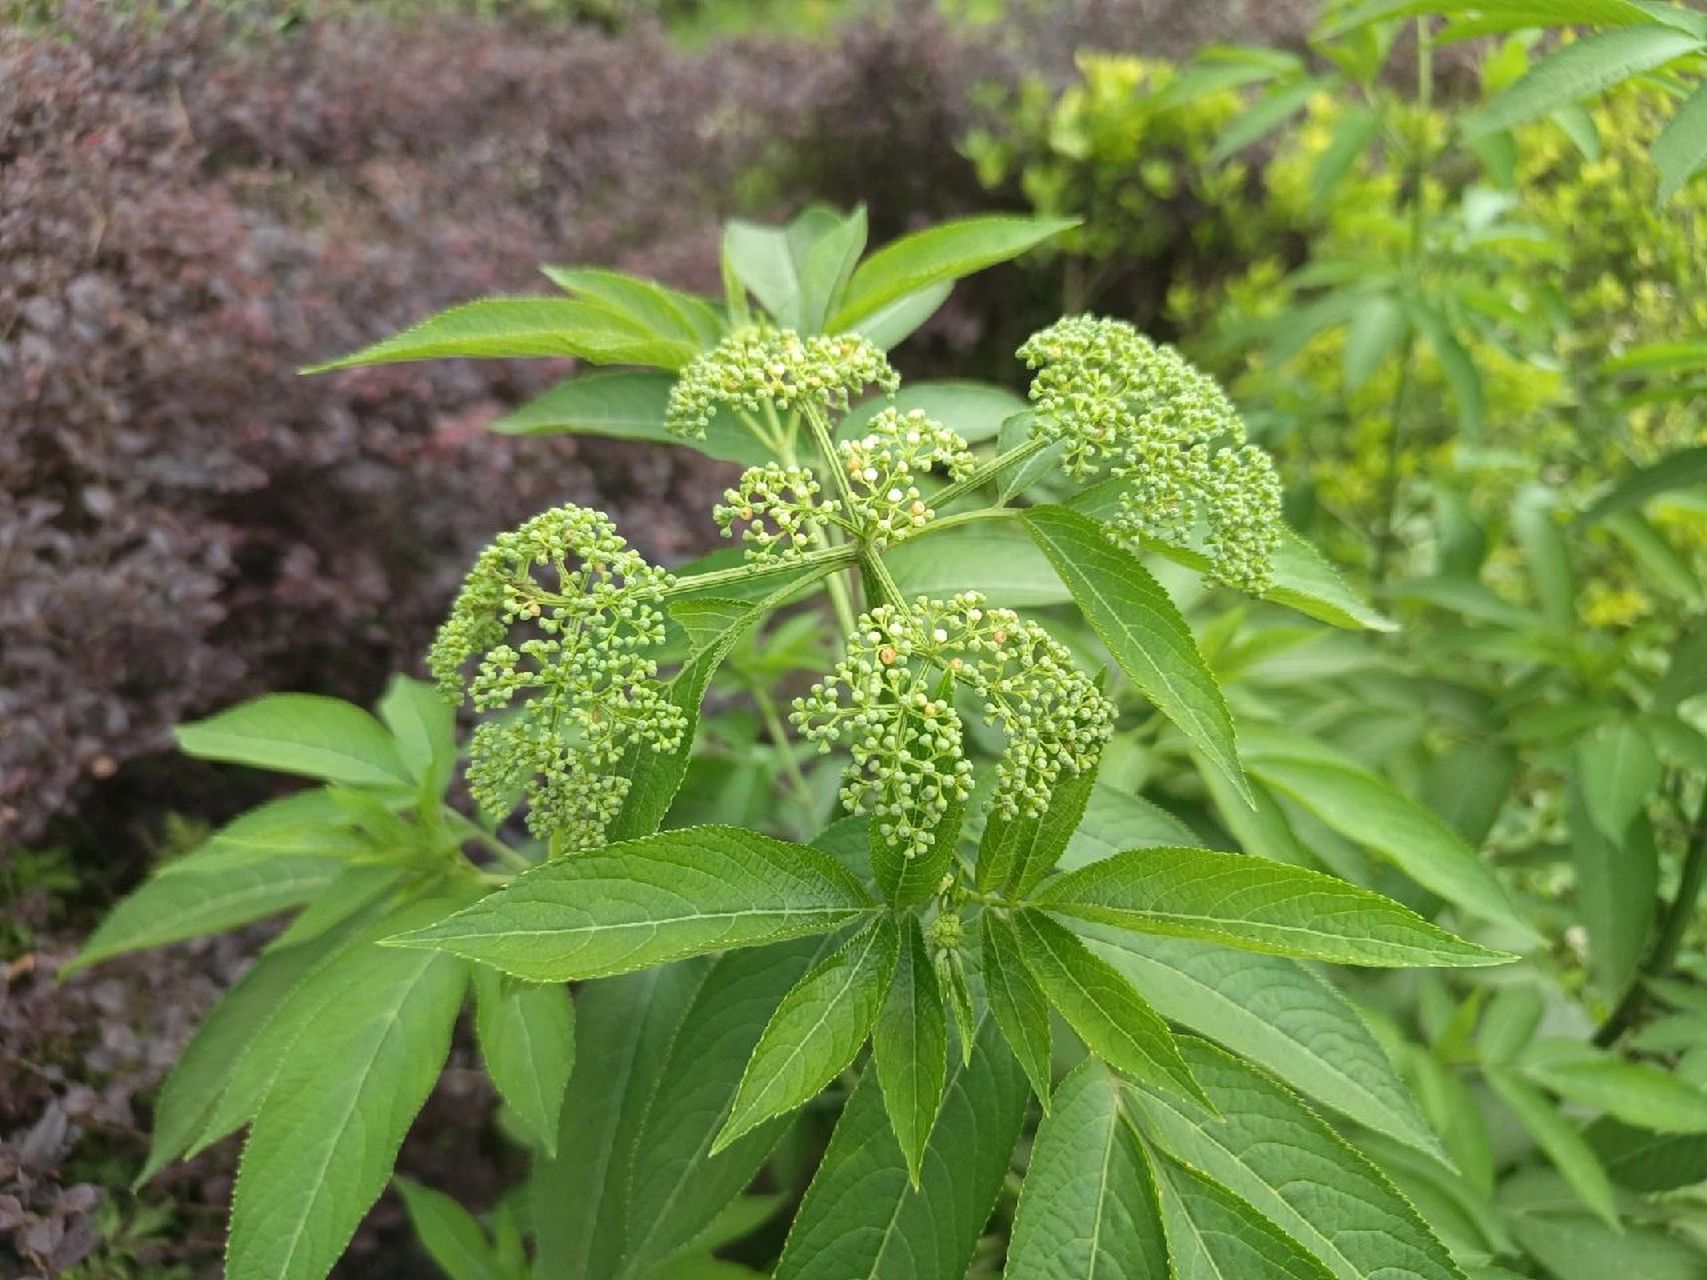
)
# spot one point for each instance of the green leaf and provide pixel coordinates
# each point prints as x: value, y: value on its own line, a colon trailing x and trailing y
x: 825, y: 269
x: 666, y: 314
x: 1363, y: 807
x: 1271, y: 1151
x: 1377, y: 326
x: 328, y: 1130
x: 449, y: 1233
x: 1580, y: 70
x: 660, y: 1056
x: 861, y: 1215
x: 424, y: 726
x: 938, y: 255
x: 1278, y: 1014
x: 1565, y: 1146
x: 1548, y: 558
x: 997, y: 559
x: 179, y: 904
x: 1114, y: 820
x: 1686, y: 675
x: 643, y: 902
x: 527, y: 1041
x: 1646, y: 1161
x: 186, y: 1100
x: 1629, y: 1091
x: 301, y: 824
x: 1014, y: 854
x: 627, y: 404
x: 1455, y: 363
x: 521, y: 327
x: 1115, y: 1022
x: 1682, y: 469
x: 355, y: 888
x: 1618, y: 772
x: 301, y: 733
x: 1214, y: 1235
x: 1617, y: 885
x: 1017, y: 1001
x: 1352, y: 136
x: 893, y: 322
x: 1088, y: 1208
x: 1142, y: 628
x: 816, y: 1030
x: 909, y: 1046
x: 1680, y: 151
x: 974, y: 411
x: 1263, y: 117
x: 1255, y: 904
x: 764, y: 262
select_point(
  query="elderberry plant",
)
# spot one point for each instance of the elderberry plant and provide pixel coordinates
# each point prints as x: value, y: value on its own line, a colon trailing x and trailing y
x: 947, y: 588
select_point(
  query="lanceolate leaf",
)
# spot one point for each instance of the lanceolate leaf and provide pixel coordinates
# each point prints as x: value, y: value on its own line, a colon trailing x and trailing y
x: 1255, y: 904
x: 423, y: 724
x: 1363, y: 807
x: 324, y: 1140
x: 816, y: 1030
x: 449, y: 1233
x: 1681, y: 149
x: 934, y: 256
x: 862, y: 1219
x: 300, y: 733
x: 499, y: 327
x: 1583, y: 69
x: 649, y: 901
x: 1214, y: 1235
x: 1278, y: 1014
x: 1114, y: 1021
x: 1617, y: 881
x: 1088, y: 1208
x: 1142, y: 628
x: 527, y: 1041
x: 664, y: 313
x: 909, y: 1047
x: 1017, y: 1001
x: 1684, y: 469
x: 1272, y: 1152
x: 188, y: 903
x: 1015, y: 853
x: 1559, y: 1138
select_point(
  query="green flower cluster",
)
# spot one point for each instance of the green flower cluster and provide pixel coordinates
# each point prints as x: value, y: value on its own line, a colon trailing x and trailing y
x: 1143, y: 413
x: 891, y: 702
x: 777, y: 507
x: 883, y: 464
x: 758, y: 368
x: 587, y: 692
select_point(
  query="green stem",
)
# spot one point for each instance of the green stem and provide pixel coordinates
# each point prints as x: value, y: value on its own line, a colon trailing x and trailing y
x: 839, y: 597
x: 989, y: 471
x: 779, y: 737
x: 964, y: 517
x: 1678, y: 915
x: 832, y: 556
x: 880, y: 584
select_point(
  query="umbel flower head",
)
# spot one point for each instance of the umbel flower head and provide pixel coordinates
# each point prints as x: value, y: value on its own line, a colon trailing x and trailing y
x: 891, y: 702
x: 780, y: 511
x: 756, y: 367
x: 1142, y: 412
x: 559, y: 612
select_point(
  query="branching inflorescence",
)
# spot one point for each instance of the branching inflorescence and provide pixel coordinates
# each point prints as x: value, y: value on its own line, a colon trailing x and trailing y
x: 890, y: 701
x: 760, y: 370
x: 587, y: 692
x: 1143, y: 413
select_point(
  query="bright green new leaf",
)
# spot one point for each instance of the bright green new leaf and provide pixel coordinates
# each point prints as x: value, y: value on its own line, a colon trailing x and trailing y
x: 328, y: 1130
x: 1017, y: 1001
x: 648, y: 901
x: 449, y: 1233
x: 1278, y: 1014
x: 1582, y: 69
x: 863, y: 1218
x: 175, y: 905
x: 1271, y: 1151
x: 664, y: 313
x: 826, y: 267
x: 1565, y: 1146
x: 521, y: 327
x: 527, y: 1041
x: 1088, y: 1209
x: 1247, y: 902
x: 1115, y: 1022
x: 423, y: 724
x: 935, y: 256
x: 1363, y: 807
x: 1142, y: 628
x: 301, y: 733
x: 909, y: 1047
x: 816, y: 1030
x: 1681, y: 149
x: 1214, y: 1235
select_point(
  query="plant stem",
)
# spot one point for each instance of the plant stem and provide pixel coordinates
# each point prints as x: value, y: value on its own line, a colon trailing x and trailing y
x: 989, y: 471
x: 1665, y: 950
x: 838, y: 555
x: 880, y: 584
x: 785, y: 748
x: 964, y: 517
